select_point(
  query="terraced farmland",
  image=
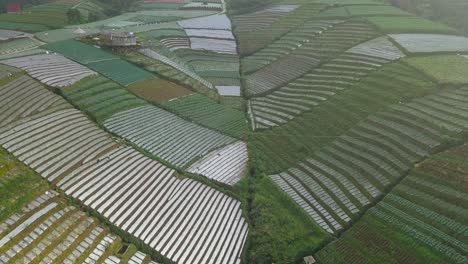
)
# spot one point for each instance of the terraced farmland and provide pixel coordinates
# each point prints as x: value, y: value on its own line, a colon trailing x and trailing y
x: 241, y: 131
x: 204, y: 111
x: 126, y: 187
x: 18, y: 45
x: 52, y: 70
x: 308, y: 54
x: 426, y: 212
x: 156, y: 131
x: 47, y: 230
x: 101, y: 97
x: 302, y: 136
x: 404, y: 135
x: 315, y: 87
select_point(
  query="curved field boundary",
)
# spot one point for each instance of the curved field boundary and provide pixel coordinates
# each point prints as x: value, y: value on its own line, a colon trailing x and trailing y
x: 182, y: 219
x: 52, y: 70
x: 337, y: 182
x: 165, y: 135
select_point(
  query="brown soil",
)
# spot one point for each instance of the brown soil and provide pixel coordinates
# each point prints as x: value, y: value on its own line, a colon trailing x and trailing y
x: 158, y: 90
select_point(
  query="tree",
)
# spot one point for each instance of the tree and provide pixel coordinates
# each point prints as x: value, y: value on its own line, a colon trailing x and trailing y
x: 74, y: 16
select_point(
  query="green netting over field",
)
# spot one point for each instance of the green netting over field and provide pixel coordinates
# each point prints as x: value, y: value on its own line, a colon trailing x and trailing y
x: 80, y: 52
x: 120, y: 71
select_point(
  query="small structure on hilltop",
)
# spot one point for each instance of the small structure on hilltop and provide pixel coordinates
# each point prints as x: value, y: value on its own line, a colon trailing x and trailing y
x: 121, y: 39
x: 14, y: 8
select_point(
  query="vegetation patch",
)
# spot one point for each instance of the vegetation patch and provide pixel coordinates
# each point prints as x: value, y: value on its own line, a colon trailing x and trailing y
x: 19, y: 185
x: 392, y: 24
x: 280, y: 232
x: 158, y: 90
x: 376, y: 10
x: 446, y: 69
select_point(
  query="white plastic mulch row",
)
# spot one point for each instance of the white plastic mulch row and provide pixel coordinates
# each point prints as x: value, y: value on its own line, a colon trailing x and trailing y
x: 280, y: 8
x: 226, y: 90
x: 24, y: 97
x: 145, y: 199
x: 11, y: 34
x: 426, y: 43
x: 220, y: 21
x: 263, y: 18
x: 166, y: 135
x: 53, y: 70
x: 176, y: 43
x: 379, y: 47
x: 154, y: 55
x: 210, y: 33
x: 184, y: 220
x: 215, y: 45
x: 226, y: 165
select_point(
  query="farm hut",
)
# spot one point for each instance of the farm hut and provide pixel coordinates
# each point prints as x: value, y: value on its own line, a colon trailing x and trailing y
x: 14, y: 8
x: 122, y: 39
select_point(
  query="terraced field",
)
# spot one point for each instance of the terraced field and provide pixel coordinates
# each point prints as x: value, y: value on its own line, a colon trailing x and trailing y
x: 264, y: 133
x: 426, y: 212
x: 307, y: 54
x: 155, y: 130
x: 52, y: 70
x: 101, y: 97
x: 47, y: 230
x: 210, y: 113
x: 124, y: 186
x: 404, y: 135
x: 317, y: 86
x: 18, y: 45
x: 305, y: 134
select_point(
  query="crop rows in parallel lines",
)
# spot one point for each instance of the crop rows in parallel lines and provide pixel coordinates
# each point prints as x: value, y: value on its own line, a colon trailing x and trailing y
x: 50, y: 233
x: 18, y: 45
x: 378, y: 151
x: 54, y: 144
x: 65, y: 147
x: 176, y: 43
x: 53, y: 70
x: 313, y: 34
x: 279, y: 27
x: 309, y: 55
x: 379, y: 47
x: 165, y: 135
x: 315, y: 87
x: 226, y: 165
x: 428, y: 215
x: 102, y: 97
x: 194, y: 224
x: 261, y: 19
x: 59, y: 147
x: 286, y: 44
x: 448, y: 245
x: 24, y: 97
x: 209, y: 113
